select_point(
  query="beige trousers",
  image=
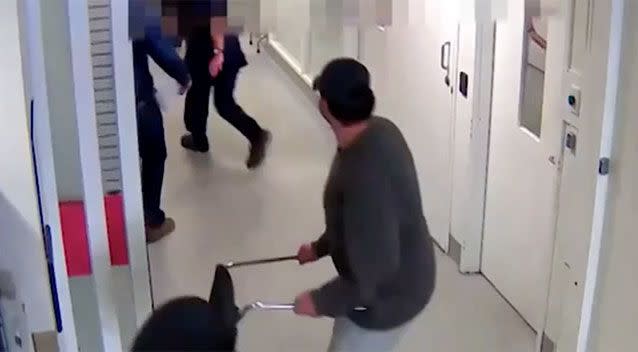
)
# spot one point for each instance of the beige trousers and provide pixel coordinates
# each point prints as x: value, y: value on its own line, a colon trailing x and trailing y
x: 349, y: 337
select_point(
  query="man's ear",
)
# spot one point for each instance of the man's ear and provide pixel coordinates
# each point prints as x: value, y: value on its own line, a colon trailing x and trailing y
x: 324, y: 108
x: 315, y: 83
x: 222, y: 296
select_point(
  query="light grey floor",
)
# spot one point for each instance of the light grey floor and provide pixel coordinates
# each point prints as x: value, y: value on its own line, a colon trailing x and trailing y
x: 224, y: 212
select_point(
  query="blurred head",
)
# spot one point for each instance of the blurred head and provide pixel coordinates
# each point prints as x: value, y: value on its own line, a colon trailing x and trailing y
x: 346, y: 96
x: 186, y: 324
x: 192, y: 323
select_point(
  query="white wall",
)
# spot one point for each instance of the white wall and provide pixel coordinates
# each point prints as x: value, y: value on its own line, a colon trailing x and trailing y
x: 404, y: 61
x: 21, y: 246
x: 292, y: 28
x: 309, y: 33
x: 586, y: 67
x: 326, y: 33
x: 61, y: 101
x: 55, y: 33
x: 615, y: 321
x: 104, y: 88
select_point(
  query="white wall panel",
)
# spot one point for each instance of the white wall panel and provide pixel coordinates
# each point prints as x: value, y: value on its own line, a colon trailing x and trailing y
x: 103, y: 76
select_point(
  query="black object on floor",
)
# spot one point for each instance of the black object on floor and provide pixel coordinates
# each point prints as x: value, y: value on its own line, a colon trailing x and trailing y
x: 192, y: 323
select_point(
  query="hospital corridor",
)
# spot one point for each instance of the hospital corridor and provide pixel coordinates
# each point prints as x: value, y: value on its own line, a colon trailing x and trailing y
x: 518, y: 116
x: 224, y: 213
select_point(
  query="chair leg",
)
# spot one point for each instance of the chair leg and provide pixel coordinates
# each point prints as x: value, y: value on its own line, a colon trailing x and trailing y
x: 259, y: 40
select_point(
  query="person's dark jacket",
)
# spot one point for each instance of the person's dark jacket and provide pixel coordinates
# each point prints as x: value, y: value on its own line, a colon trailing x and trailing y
x: 194, y: 24
x: 200, y: 51
x: 164, y: 54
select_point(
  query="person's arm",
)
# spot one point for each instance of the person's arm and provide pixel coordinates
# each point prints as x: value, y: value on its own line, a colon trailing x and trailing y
x: 166, y: 57
x: 321, y: 246
x: 218, y: 23
x: 536, y: 38
x: 371, y: 234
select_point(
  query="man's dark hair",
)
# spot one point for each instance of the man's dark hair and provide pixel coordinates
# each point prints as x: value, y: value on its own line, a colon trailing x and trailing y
x: 345, y: 85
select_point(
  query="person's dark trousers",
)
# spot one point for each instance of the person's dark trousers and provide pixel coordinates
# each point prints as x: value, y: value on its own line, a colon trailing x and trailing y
x: 197, y: 102
x: 199, y: 52
x: 152, y: 147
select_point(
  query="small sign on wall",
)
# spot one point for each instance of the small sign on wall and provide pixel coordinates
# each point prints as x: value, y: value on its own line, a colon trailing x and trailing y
x: 464, y: 83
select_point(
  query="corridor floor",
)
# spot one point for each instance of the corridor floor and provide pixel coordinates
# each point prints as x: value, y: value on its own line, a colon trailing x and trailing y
x: 224, y: 212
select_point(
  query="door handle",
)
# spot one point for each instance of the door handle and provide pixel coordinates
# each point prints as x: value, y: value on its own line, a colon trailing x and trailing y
x: 445, y: 61
x: 445, y: 56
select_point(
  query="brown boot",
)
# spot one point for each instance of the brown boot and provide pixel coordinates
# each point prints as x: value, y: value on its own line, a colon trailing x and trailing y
x: 258, y: 150
x: 156, y: 233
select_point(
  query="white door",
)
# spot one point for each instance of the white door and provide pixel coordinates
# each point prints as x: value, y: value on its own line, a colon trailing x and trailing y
x: 421, y: 69
x: 413, y: 73
x: 525, y: 143
x: 34, y: 296
x: 470, y: 147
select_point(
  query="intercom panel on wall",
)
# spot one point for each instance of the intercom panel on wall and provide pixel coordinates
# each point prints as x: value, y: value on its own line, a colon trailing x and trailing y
x: 14, y: 336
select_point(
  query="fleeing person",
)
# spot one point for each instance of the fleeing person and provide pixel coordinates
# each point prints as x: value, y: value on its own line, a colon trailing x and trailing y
x: 214, y: 59
x: 150, y: 127
x: 375, y: 230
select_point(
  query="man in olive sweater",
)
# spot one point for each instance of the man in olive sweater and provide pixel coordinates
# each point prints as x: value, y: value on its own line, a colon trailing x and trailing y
x: 375, y: 230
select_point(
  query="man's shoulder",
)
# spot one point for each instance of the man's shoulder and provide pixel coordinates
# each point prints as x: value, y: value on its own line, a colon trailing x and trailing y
x: 386, y: 126
x: 386, y: 148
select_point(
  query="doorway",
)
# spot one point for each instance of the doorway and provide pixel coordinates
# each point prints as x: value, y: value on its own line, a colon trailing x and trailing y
x: 525, y: 157
x: 421, y: 58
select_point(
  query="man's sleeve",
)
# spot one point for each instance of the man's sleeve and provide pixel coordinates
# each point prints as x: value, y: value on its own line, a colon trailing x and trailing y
x: 166, y: 57
x: 322, y: 246
x: 371, y: 234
